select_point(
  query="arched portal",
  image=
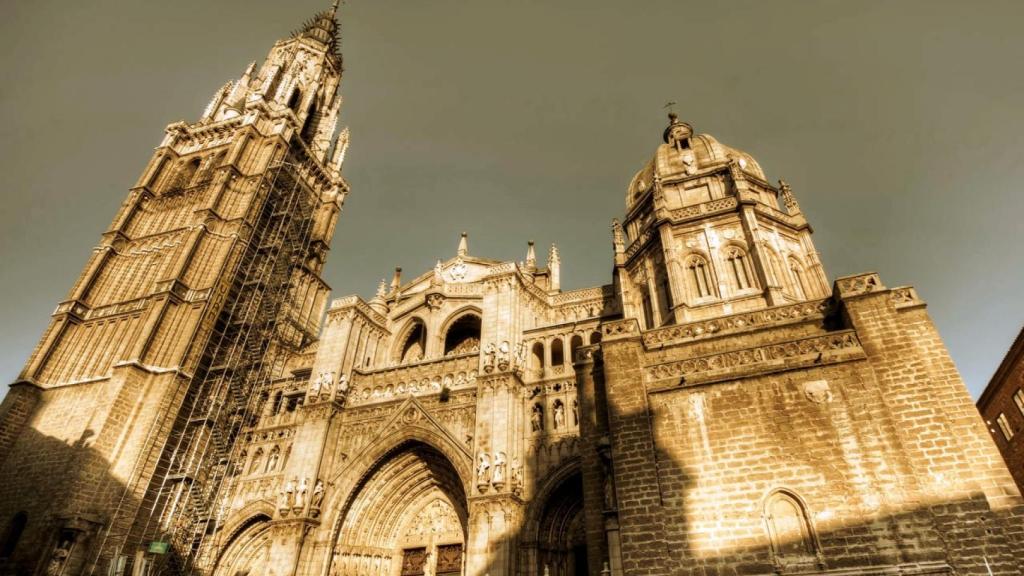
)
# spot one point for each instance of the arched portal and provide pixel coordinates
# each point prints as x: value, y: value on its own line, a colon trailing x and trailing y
x: 555, y: 541
x: 248, y: 550
x: 408, y: 516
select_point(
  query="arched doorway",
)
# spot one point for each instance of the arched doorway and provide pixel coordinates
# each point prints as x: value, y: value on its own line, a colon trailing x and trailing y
x: 556, y: 537
x: 407, y: 517
x: 248, y: 551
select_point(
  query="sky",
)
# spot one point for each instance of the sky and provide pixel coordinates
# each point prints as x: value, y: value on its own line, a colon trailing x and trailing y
x: 899, y: 125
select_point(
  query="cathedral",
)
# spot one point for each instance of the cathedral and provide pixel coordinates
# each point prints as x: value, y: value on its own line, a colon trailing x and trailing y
x: 198, y: 405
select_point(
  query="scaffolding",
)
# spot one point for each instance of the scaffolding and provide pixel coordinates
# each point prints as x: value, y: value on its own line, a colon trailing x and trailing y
x: 254, y: 334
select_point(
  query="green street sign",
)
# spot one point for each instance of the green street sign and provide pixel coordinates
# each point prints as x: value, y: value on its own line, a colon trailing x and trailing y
x: 159, y: 547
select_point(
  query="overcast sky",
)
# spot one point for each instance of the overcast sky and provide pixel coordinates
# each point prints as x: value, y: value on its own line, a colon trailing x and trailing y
x: 898, y: 124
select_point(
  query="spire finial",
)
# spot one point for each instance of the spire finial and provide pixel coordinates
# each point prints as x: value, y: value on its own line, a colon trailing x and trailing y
x: 334, y: 7
x: 463, y: 245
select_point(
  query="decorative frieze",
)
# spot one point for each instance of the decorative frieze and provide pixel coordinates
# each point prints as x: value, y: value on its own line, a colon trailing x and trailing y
x: 818, y: 350
x: 682, y: 333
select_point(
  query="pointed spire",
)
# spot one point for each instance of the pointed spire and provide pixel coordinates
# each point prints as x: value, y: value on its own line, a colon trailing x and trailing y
x: 463, y: 245
x: 618, y: 242
x: 340, y: 149
x: 322, y: 27
x: 555, y: 268
x: 379, y: 302
x: 531, y: 256
x: 788, y: 199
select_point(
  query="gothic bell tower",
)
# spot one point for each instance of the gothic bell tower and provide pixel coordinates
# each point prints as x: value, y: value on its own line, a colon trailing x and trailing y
x: 705, y: 234
x: 119, y: 435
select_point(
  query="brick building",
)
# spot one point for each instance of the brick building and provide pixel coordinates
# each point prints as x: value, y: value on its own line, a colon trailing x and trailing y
x: 197, y: 406
x: 1002, y: 407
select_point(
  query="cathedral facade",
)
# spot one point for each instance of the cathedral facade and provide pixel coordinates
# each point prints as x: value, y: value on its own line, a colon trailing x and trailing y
x: 197, y: 405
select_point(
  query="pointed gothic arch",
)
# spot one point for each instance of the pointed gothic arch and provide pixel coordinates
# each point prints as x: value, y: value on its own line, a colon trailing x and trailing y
x: 411, y: 345
x: 699, y: 281
x: 790, y: 533
x: 378, y: 497
x: 247, y: 542
x: 799, y: 283
x: 741, y: 272
x: 553, y: 531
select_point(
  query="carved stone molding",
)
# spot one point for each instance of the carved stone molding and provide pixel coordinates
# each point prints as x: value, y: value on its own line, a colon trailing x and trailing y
x: 679, y: 334
x: 818, y: 350
x: 858, y: 285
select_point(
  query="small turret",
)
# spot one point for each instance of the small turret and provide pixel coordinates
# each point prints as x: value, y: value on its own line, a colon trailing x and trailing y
x: 531, y: 257
x: 555, y: 268
x: 463, y: 246
x: 788, y: 199
x: 379, y: 302
x: 396, y: 282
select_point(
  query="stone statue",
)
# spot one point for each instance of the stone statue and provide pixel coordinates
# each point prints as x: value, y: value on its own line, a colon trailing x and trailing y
x: 314, y: 388
x: 342, y: 388
x: 483, y: 467
x: 517, y: 473
x: 521, y: 355
x: 537, y: 418
x: 489, y: 357
x: 428, y: 563
x: 576, y: 412
x: 59, y: 557
x: 300, y: 494
x: 318, y: 495
x: 498, y: 472
x: 503, y: 355
x: 618, y: 237
x: 289, y: 493
x: 559, y: 415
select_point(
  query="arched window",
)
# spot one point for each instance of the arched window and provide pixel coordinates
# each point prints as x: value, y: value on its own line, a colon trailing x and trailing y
x: 699, y: 277
x: 557, y: 352
x: 739, y: 267
x: 463, y: 336
x: 800, y: 288
x: 14, y: 530
x: 414, y: 346
x: 595, y: 337
x: 187, y: 173
x: 574, y: 344
x: 537, y: 359
x: 664, y: 294
x: 789, y: 530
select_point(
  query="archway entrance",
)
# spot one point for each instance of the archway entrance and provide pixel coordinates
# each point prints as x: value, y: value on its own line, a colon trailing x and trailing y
x: 560, y: 544
x: 248, y: 552
x: 407, y: 518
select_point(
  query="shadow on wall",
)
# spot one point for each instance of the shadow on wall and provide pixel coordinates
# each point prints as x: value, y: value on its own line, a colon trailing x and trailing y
x: 732, y: 517
x: 56, y: 498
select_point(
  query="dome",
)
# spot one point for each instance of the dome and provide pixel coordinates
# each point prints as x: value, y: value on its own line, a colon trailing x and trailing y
x: 683, y: 154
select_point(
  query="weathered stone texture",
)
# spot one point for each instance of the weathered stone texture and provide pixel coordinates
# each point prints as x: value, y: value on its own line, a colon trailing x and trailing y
x: 716, y: 409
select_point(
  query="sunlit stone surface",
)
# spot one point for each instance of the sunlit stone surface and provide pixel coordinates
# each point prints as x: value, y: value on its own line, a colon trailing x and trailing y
x: 197, y: 406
